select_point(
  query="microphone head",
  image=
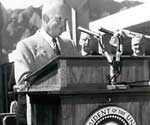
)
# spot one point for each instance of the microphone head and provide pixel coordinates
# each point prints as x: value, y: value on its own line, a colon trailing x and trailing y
x: 80, y: 28
x: 88, y: 31
x: 114, y: 41
x: 106, y: 31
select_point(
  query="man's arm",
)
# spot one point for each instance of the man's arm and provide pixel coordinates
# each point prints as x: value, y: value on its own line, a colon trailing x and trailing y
x: 23, y: 60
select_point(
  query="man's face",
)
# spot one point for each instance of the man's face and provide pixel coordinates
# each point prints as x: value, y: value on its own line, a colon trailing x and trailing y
x: 138, y: 47
x: 89, y: 44
x: 56, y: 20
x: 56, y: 26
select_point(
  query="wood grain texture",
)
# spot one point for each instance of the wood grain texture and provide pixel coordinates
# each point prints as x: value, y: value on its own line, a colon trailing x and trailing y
x: 75, y: 109
x: 64, y: 72
x: 76, y: 87
x: 134, y: 70
x: 72, y: 71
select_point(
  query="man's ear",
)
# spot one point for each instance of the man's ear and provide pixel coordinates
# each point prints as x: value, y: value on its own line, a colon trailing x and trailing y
x: 45, y: 18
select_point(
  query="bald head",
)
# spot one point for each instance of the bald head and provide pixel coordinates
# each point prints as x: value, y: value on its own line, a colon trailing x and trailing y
x: 54, y: 17
x: 56, y: 8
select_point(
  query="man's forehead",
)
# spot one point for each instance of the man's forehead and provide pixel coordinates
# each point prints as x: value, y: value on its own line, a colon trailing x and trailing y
x: 137, y: 40
x: 56, y: 8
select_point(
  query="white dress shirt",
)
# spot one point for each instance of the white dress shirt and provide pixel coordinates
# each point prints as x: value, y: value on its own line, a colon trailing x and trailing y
x: 49, y: 39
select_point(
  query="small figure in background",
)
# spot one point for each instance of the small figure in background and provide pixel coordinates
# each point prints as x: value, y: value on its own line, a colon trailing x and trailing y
x: 89, y: 45
x: 138, y: 46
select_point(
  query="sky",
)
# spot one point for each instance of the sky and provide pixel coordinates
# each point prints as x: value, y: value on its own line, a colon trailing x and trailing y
x: 13, y: 4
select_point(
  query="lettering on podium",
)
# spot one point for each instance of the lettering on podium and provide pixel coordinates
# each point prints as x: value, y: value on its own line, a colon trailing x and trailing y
x: 111, y: 115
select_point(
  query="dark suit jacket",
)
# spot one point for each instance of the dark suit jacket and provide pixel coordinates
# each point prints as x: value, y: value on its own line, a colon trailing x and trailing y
x: 35, y: 51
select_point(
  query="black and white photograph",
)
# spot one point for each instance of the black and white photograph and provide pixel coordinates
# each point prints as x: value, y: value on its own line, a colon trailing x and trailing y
x: 74, y: 62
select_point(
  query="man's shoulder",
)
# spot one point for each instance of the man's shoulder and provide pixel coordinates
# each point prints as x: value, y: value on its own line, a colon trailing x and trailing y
x: 67, y: 41
x: 70, y: 47
x: 31, y: 40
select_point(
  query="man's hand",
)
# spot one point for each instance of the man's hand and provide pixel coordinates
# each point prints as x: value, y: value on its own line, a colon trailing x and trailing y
x: 22, y: 85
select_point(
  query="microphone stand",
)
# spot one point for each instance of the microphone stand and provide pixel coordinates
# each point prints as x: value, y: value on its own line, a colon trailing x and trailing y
x: 115, y: 65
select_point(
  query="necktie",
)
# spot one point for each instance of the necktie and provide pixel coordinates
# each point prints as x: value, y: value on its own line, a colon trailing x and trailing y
x: 56, y: 48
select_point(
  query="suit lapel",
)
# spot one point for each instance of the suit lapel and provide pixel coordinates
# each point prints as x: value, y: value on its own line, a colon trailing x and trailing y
x: 66, y: 47
x: 45, y: 47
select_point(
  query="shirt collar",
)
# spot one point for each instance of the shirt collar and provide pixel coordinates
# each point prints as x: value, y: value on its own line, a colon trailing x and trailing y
x: 47, y: 37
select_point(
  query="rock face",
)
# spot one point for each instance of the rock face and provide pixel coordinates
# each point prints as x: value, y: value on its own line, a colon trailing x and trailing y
x: 20, y: 24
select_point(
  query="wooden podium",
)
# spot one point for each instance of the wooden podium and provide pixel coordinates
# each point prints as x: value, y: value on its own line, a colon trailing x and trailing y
x: 73, y: 91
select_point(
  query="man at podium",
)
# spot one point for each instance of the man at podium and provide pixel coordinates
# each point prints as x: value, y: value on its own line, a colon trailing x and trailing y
x: 37, y: 50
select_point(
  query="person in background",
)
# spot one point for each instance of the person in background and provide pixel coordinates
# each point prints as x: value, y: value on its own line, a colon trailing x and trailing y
x: 138, y: 46
x: 38, y: 49
x: 89, y: 45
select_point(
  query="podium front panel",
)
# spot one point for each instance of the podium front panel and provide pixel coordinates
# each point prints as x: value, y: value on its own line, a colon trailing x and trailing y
x: 71, y: 72
x: 134, y: 70
x: 74, y: 108
x: 73, y: 91
x: 64, y: 72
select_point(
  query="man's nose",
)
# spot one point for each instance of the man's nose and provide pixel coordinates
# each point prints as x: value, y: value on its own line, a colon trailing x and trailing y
x: 137, y: 46
x: 63, y: 25
x: 86, y: 42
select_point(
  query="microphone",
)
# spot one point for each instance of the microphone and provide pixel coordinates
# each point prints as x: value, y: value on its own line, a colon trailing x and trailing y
x: 106, y: 31
x: 132, y: 34
x: 88, y: 31
x: 128, y: 33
